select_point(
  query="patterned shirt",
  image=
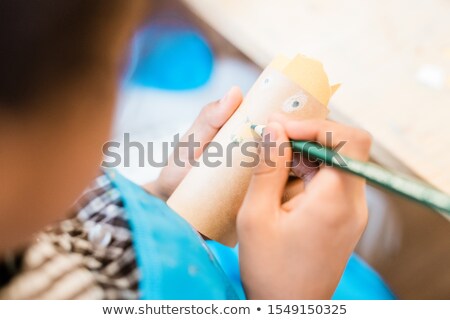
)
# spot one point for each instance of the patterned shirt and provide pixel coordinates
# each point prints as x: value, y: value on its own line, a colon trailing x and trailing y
x: 87, y: 256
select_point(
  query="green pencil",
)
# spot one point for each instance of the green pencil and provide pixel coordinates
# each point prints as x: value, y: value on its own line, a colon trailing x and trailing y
x: 405, y: 186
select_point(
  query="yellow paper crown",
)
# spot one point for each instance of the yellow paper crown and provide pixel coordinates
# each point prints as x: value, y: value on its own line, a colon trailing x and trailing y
x: 308, y: 74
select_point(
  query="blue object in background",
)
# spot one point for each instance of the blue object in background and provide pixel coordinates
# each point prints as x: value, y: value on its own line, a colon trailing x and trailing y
x: 171, y: 57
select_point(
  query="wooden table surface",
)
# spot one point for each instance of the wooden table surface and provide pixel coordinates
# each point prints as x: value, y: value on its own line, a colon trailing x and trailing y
x: 379, y: 50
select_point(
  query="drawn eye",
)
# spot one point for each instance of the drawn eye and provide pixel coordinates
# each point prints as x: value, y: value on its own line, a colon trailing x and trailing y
x: 295, y: 103
x: 266, y: 81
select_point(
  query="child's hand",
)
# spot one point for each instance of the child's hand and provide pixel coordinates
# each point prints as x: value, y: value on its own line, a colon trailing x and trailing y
x: 298, y: 249
x: 205, y: 127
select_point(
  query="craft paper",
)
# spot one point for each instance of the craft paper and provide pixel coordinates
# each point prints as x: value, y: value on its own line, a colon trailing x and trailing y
x: 210, y: 197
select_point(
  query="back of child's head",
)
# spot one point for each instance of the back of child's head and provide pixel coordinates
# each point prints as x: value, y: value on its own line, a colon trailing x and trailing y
x: 46, y: 43
x: 60, y: 64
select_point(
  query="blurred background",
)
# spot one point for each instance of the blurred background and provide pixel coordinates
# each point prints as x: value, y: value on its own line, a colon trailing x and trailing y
x: 179, y: 63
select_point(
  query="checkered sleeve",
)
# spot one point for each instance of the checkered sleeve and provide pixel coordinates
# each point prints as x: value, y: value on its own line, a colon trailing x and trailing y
x: 87, y: 256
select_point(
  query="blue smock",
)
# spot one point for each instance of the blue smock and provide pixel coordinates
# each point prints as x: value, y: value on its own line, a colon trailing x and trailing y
x: 176, y: 263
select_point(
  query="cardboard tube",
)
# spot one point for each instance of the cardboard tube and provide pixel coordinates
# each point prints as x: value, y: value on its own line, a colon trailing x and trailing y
x: 210, y: 196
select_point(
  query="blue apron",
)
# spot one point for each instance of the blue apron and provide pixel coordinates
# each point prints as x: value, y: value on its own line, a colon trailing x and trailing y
x: 176, y: 263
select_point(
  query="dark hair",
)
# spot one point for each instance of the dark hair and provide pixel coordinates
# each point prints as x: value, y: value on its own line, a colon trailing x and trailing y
x: 45, y: 42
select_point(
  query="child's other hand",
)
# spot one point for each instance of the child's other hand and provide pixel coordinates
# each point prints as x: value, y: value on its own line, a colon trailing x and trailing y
x: 298, y: 249
x: 205, y: 127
